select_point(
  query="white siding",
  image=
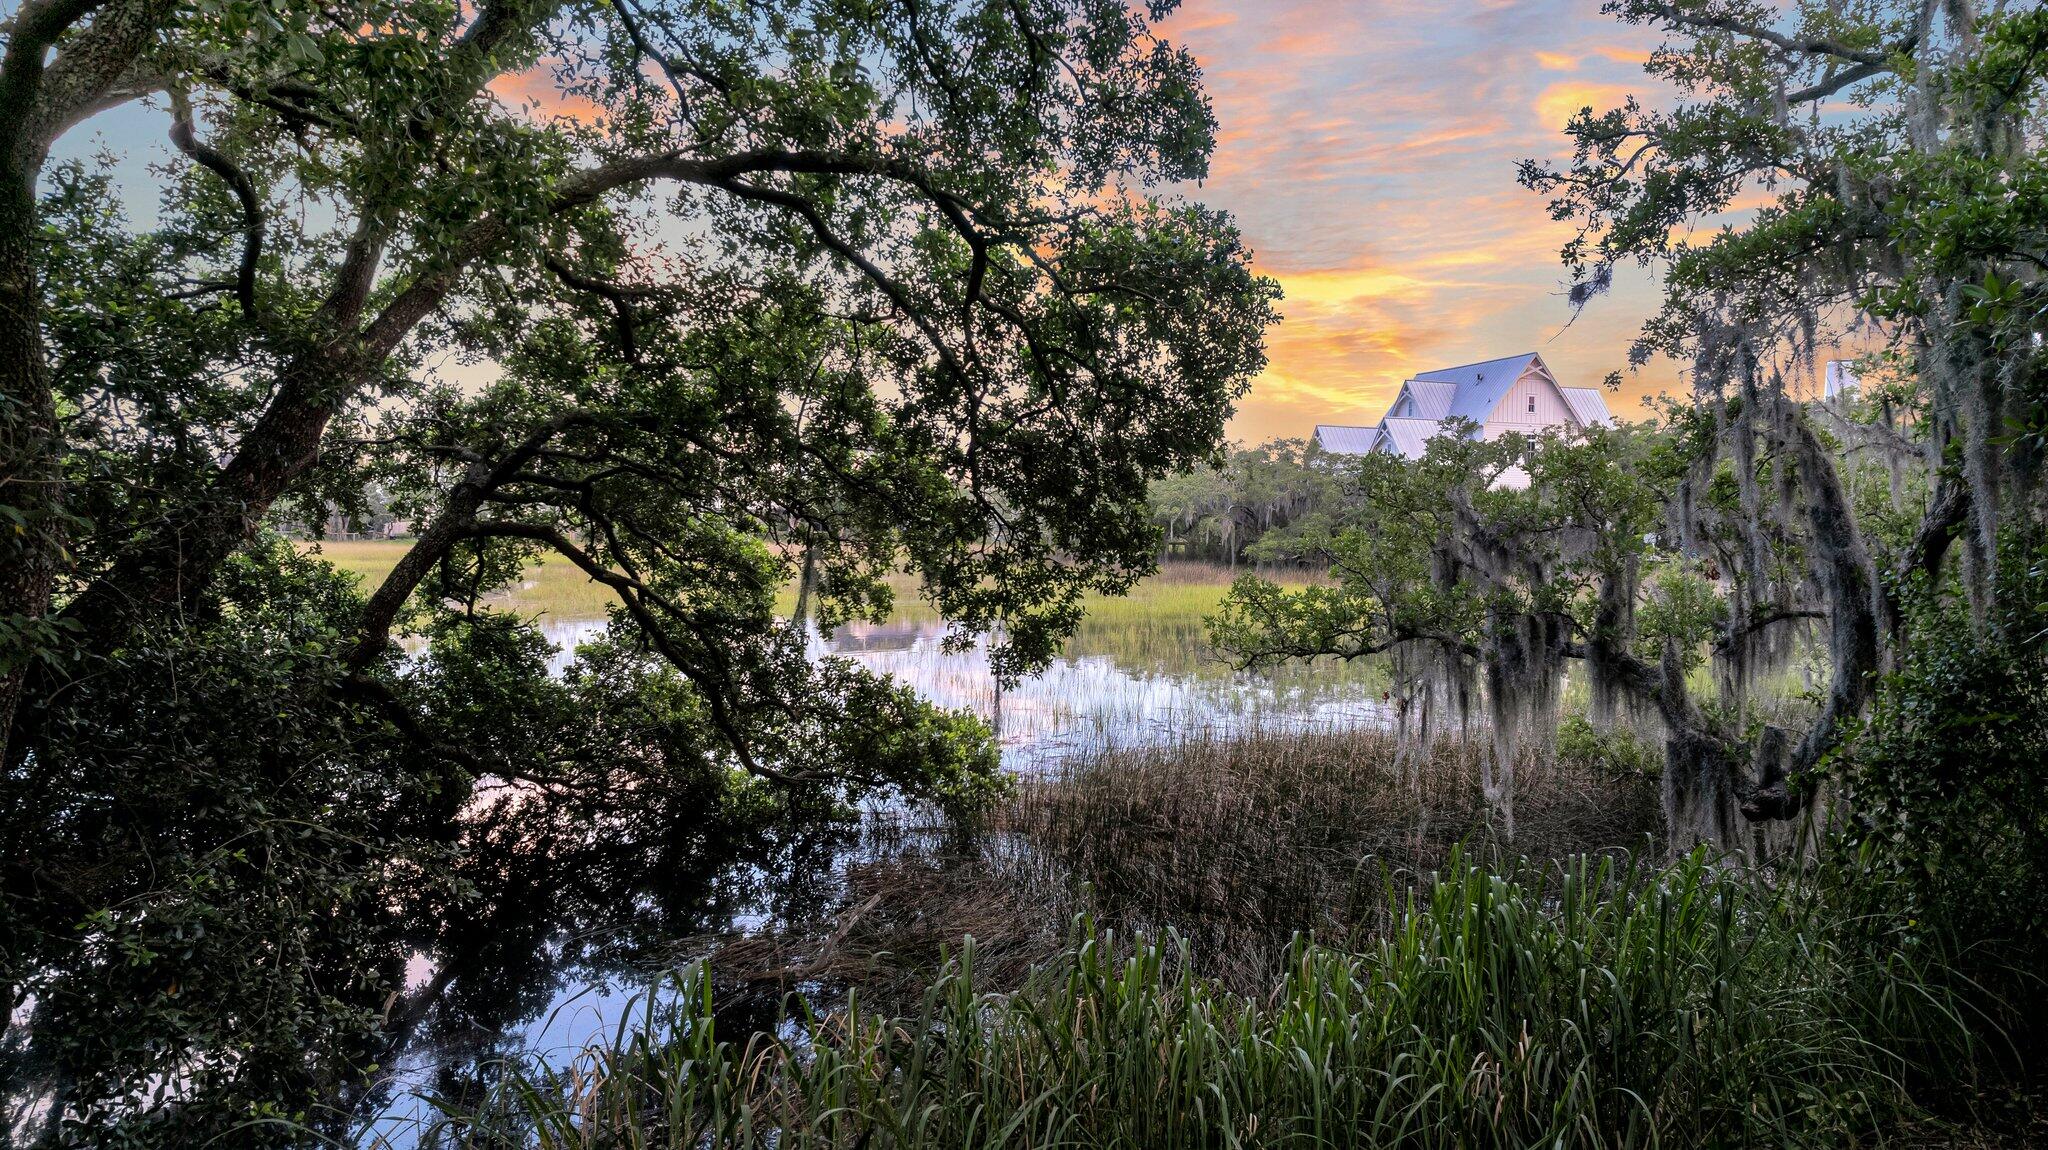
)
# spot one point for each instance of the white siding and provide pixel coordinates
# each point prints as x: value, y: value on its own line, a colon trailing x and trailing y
x: 1512, y: 412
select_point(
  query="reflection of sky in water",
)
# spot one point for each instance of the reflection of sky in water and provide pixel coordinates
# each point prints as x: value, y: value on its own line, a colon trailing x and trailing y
x: 1085, y: 702
x: 1143, y: 683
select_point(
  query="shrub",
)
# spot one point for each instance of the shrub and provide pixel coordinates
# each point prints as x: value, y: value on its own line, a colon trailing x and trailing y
x: 1949, y: 827
x: 1612, y: 754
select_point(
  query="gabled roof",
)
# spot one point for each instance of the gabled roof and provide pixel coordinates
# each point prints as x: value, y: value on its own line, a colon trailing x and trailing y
x: 1588, y: 405
x: 1341, y: 440
x: 1407, y: 436
x: 1471, y: 392
x: 1480, y: 385
x: 1432, y: 400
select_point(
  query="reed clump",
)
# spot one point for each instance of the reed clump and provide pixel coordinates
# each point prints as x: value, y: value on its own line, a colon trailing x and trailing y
x: 1595, y: 1002
x: 1234, y: 844
x: 1238, y: 844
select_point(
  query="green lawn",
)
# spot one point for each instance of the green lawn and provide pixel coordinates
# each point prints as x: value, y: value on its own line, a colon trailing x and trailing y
x: 551, y: 587
x: 556, y: 588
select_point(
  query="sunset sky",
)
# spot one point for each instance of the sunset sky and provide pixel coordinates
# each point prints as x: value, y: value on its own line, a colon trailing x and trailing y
x: 1368, y: 150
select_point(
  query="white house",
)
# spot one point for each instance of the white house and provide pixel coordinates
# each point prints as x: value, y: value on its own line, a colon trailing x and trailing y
x: 1839, y: 377
x: 1516, y: 394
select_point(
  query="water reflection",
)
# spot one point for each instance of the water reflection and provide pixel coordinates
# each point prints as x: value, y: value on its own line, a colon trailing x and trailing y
x: 568, y: 938
x: 1122, y: 687
x: 1129, y: 684
x: 577, y: 933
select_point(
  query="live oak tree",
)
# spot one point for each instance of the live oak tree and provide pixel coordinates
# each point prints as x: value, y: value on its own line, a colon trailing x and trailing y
x: 1477, y: 592
x: 1897, y: 150
x: 835, y: 282
x: 1899, y: 144
x: 1251, y: 505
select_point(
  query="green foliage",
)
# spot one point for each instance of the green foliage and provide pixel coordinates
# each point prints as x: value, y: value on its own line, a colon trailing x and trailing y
x: 1611, y: 754
x: 1430, y: 550
x: 223, y: 866
x: 1682, y: 607
x: 1950, y: 807
x: 765, y: 287
x: 1269, y: 503
x: 1594, y: 1007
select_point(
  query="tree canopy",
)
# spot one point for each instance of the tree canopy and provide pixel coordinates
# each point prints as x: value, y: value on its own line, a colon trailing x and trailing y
x: 686, y: 295
x: 1896, y: 148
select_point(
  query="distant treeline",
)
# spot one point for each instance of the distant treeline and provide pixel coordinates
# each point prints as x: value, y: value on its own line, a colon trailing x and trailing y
x: 1252, y: 508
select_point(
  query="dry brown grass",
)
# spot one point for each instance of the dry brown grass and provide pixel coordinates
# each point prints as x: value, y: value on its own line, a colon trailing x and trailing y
x: 1236, y: 845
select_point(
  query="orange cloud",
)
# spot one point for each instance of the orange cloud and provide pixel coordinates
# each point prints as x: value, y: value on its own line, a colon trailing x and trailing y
x: 1635, y: 57
x: 536, y: 92
x: 1368, y: 152
x: 1557, y: 104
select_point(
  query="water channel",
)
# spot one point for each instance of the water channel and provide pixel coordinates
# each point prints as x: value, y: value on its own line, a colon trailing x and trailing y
x: 551, y: 988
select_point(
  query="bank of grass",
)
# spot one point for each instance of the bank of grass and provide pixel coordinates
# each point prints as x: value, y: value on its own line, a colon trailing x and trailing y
x: 558, y: 589
x: 1236, y: 844
x: 552, y: 588
x: 1594, y: 1003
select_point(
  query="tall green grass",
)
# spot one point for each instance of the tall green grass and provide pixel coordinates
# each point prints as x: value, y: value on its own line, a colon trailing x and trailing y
x: 552, y: 587
x: 1605, y: 1005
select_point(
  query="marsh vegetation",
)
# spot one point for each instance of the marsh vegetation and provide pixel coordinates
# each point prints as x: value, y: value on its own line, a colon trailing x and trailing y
x: 778, y: 732
x: 1588, y: 1005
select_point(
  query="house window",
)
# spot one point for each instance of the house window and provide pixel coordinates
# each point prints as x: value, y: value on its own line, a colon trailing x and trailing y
x: 1532, y: 403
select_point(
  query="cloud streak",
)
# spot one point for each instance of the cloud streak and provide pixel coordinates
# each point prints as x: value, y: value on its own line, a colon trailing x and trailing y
x: 1369, y: 149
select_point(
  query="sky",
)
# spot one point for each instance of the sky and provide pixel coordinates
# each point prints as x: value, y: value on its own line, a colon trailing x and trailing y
x: 1367, y: 149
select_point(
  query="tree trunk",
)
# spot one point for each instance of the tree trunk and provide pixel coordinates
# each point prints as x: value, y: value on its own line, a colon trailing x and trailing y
x: 165, y: 573
x: 31, y: 475
x: 31, y: 491
x: 804, y: 579
x: 1842, y: 567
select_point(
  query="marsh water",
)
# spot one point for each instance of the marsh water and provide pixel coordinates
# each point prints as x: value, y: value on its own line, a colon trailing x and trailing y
x: 1139, y: 672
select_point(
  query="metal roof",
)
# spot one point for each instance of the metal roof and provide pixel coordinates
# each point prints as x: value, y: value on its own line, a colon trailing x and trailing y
x: 1480, y: 385
x: 1469, y: 392
x: 1408, y: 436
x: 1588, y: 405
x: 1432, y: 400
x: 1340, y: 440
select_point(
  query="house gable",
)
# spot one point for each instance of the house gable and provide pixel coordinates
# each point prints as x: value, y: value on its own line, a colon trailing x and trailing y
x: 1423, y: 399
x: 1531, y: 402
x: 1478, y: 387
x: 1517, y: 393
x: 1408, y: 437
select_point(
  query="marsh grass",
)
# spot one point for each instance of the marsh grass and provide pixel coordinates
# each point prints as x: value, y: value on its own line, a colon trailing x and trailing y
x: 1593, y: 1002
x: 1234, y: 844
x: 1180, y: 591
x: 1239, y: 843
x: 556, y: 588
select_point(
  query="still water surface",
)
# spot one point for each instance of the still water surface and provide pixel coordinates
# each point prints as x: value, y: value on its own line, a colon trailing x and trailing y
x: 1145, y: 677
